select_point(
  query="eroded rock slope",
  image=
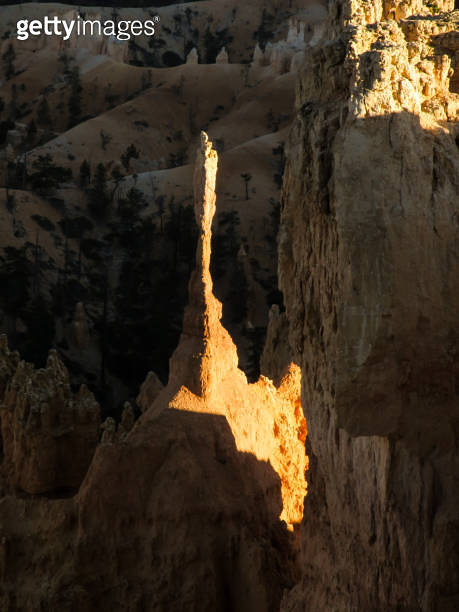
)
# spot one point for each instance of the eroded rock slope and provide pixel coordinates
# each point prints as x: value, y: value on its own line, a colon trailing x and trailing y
x: 369, y: 262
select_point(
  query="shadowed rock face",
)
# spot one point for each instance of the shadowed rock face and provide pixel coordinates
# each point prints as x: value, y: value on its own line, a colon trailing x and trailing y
x: 49, y: 434
x: 191, y: 510
x: 277, y: 354
x: 149, y: 391
x: 368, y: 266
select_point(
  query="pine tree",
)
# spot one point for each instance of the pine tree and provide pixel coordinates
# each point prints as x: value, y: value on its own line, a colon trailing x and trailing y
x: 130, y: 153
x: 31, y: 131
x: 85, y: 173
x: 74, y: 103
x: 13, y: 104
x: 15, y: 273
x: 246, y: 178
x: 160, y: 203
x: 98, y: 195
x: 8, y: 62
x: 40, y: 323
x: 130, y: 206
x: 43, y: 114
x: 47, y: 176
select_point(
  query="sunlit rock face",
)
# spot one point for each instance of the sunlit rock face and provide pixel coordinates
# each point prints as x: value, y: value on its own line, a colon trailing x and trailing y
x: 194, y: 507
x: 368, y: 266
x: 363, y: 12
x: 195, y: 364
x: 265, y: 421
x: 219, y: 469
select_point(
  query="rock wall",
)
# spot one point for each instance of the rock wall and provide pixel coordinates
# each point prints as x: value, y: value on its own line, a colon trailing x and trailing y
x: 361, y: 12
x: 369, y: 259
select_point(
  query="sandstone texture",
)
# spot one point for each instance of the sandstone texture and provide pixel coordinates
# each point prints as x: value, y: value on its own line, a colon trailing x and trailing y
x: 200, y: 504
x: 193, y: 507
x: 368, y: 265
x: 277, y: 354
x: 266, y: 421
x: 49, y: 434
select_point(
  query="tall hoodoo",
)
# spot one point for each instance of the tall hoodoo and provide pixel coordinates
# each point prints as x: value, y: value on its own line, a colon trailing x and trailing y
x: 195, y: 363
x: 265, y: 420
x: 190, y: 506
x: 211, y: 450
x: 205, y: 178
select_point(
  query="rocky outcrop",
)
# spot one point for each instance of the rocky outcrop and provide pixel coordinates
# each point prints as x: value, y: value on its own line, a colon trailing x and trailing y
x: 368, y: 266
x: 204, y: 375
x: 111, y: 432
x: 192, y: 57
x: 343, y: 13
x: 193, y: 364
x: 258, y: 56
x: 9, y: 361
x: 149, y: 391
x: 305, y: 30
x: 49, y: 434
x: 193, y: 507
x: 222, y: 57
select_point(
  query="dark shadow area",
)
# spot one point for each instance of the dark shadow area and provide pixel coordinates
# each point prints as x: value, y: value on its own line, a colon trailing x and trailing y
x: 171, y: 59
x: 174, y: 518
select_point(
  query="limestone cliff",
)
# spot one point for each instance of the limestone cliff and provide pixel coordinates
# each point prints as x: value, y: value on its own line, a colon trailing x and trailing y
x: 369, y: 262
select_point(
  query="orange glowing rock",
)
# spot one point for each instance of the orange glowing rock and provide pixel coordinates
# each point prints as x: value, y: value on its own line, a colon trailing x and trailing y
x: 266, y: 421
